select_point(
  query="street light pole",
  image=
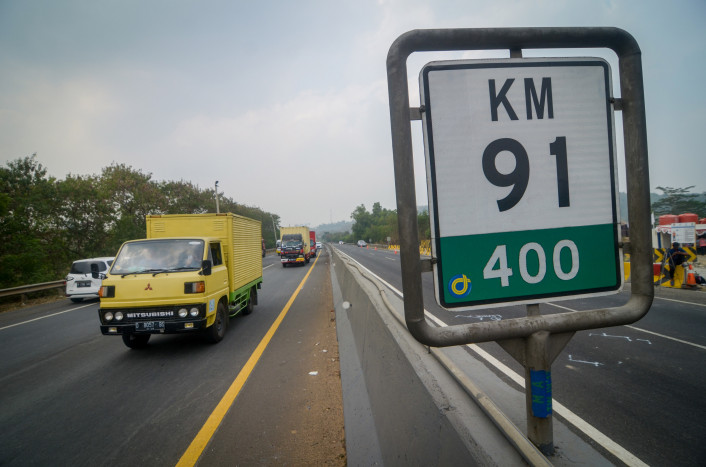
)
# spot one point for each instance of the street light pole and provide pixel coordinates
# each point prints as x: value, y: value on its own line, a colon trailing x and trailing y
x: 217, y: 208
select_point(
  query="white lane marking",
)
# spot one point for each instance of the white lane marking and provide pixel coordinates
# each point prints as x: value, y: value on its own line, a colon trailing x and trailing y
x: 596, y: 364
x: 627, y: 338
x: 267, y: 266
x: 481, y: 317
x: 614, y: 448
x: 645, y: 330
x: 47, y: 316
x: 702, y: 347
x: 680, y: 301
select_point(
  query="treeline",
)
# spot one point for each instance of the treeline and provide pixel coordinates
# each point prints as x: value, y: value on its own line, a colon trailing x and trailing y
x: 46, y: 223
x: 377, y: 226
x: 679, y: 201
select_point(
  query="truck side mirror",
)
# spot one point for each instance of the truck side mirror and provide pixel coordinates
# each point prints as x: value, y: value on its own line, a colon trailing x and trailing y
x: 94, y: 271
x: 206, y: 267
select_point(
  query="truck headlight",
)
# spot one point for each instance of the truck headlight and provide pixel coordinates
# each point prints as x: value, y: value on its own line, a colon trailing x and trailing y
x: 183, y: 313
x: 194, y: 287
x: 194, y: 312
x: 108, y: 316
x: 118, y: 316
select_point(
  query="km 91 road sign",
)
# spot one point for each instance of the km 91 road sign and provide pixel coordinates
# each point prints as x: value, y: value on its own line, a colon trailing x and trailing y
x: 521, y: 163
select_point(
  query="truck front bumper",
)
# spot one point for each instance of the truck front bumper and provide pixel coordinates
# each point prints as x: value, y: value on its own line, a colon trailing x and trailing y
x: 154, y: 327
x: 294, y: 259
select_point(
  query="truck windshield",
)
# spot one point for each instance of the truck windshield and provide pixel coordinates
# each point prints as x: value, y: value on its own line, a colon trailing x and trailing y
x: 150, y: 256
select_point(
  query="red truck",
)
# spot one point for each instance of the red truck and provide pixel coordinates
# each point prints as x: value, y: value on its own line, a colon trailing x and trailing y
x: 312, y: 243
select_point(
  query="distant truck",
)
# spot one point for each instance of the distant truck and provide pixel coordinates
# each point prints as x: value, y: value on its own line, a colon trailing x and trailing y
x: 312, y: 243
x: 191, y: 273
x: 295, y: 247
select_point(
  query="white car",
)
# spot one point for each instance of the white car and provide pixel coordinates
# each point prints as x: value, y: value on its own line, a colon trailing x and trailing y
x: 319, y: 245
x: 80, y: 282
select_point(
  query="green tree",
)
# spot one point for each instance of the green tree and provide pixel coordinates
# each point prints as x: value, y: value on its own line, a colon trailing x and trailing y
x: 26, y: 225
x: 185, y: 198
x: 46, y: 224
x: 131, y: 195
x: 679, y: 201
x: 83, y: 219
x: 363, y: 221
x: 423, y: 226
x: 375, y: 226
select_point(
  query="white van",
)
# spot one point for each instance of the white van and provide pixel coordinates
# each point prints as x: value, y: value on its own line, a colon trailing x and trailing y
x: 80, y: 283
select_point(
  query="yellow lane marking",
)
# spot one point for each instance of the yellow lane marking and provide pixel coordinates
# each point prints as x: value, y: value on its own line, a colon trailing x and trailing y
x: 197, y: 446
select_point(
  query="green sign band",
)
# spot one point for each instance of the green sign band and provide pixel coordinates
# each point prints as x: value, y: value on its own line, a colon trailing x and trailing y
x: 524, y: 265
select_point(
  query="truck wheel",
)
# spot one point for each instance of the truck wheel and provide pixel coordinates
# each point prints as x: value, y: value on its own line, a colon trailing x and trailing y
x: 284, y: 265
x: 136, y: 341
x: 218, y: 329
x: 251, y: 303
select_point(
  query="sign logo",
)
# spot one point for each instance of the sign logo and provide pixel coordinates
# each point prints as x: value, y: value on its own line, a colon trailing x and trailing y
x: 460, y: 285
x: 149, y: 287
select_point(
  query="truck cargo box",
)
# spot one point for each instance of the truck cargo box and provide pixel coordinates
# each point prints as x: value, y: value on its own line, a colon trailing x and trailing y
x: 241, y: 238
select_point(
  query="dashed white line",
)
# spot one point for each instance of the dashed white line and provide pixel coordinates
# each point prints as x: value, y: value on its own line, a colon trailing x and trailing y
x: 42, y: 317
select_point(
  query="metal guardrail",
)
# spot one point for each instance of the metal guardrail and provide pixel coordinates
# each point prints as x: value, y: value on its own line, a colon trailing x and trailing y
x: 23, y: 289
x: 53, y: 285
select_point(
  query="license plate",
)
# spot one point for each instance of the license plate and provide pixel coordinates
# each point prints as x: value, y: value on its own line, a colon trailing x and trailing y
x: 149, y: 326
x: 83, y: 283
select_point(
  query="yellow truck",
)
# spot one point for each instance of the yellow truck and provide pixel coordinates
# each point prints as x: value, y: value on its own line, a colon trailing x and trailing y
x: 191, y: 273
x: 295, y: 245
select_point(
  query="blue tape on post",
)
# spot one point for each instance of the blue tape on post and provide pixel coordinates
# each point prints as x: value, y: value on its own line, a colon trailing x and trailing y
x: 541, y: 387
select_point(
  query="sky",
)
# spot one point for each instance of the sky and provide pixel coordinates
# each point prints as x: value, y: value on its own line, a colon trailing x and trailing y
x: 285, y: 103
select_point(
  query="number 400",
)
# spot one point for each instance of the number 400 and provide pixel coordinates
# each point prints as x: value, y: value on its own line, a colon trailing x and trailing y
x: 496, y: 267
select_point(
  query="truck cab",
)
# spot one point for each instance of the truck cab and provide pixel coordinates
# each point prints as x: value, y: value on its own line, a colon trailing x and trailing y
x: 168, y: 285
x: 293, y: 250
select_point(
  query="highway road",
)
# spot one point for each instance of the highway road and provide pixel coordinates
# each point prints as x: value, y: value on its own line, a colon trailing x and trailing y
x: 641, y: 385
x: 71, y: 396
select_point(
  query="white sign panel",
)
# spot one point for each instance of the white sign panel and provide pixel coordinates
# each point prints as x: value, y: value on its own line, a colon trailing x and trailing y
x: 684, y: 233
x: 522, y: 182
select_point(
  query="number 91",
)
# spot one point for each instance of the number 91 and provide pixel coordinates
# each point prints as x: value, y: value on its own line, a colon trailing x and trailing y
x: 519, y: 177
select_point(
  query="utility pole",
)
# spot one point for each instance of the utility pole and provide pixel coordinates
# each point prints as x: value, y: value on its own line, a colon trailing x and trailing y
x: 274, y: 229
x: 217, y: 209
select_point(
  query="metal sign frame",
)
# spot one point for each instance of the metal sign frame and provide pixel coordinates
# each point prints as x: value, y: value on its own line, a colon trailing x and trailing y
x: 631, y: 103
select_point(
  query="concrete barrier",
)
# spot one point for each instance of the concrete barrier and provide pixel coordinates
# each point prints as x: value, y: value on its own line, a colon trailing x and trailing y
x: 402, y: 407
